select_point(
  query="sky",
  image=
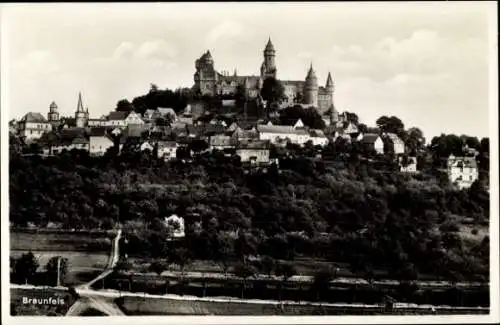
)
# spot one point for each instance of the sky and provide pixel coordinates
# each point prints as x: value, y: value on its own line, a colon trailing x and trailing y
x: 427, y: 63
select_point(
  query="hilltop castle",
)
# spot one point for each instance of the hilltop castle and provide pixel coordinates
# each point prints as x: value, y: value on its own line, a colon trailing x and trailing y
x: 307, y: 92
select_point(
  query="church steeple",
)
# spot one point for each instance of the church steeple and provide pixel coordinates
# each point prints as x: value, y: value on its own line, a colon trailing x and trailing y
x: 81, y: 116
x: 79, y: 106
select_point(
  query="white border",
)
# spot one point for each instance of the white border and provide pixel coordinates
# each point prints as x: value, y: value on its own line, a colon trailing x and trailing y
x: 494, y: 221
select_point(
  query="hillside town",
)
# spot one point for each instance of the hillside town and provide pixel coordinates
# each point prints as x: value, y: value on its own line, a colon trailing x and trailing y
x: 250, y: 140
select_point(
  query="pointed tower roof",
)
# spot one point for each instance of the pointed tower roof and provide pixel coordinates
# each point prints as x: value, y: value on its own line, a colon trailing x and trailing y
x: 329, y: 80
x: 311, y: 74
x: 53, y: 105
x: 269, y: 46
x: 79, y: 107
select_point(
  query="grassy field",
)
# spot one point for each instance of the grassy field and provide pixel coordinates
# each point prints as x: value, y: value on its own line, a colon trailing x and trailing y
x: 62, y: 241
x: 87, y: 254
x: 146, y: 306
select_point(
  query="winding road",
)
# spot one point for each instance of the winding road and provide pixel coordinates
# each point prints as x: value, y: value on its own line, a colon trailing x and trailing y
x: 87, y: 299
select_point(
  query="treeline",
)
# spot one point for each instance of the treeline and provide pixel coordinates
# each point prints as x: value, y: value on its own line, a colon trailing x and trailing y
x: 368, y: 217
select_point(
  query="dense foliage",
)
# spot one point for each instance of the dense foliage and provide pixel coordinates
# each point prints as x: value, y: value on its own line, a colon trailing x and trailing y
x: 356, y: 213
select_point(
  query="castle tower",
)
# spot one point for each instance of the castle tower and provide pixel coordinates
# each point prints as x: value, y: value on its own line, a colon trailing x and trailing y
x: 80, y: 115
x: 205, y: 77
x: 268, y: 67
x: 53, y: 113
x: 311, y: 88
x: 334, y: 114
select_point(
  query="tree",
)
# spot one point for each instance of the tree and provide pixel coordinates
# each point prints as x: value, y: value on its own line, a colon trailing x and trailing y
x: 321, y: 281
x: 244, y: 271
x: 414, y: 140
x: 124, y: 105
x: 158, y: 267
x: 25, y: 267
x: 57, y: 269
x: 391, y: 125
x: 164, y: 121
x: 180, y: 256
x: 272, y: 91
x: 285, y: 271
x: 267, y: 265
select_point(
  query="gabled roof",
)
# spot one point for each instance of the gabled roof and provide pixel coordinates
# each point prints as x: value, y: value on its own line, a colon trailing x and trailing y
x: 262, y: 145
x: 280, y: 129
x: 166, y: 111
x: 117, y: 116
x: 98, y: 132
x: 468, y: 162
x: 149, y: 112
x: 394, y: 138
x: 167, y: 144
x: 221, y: 140
x: 34, y: 117
x: 317, y: 133
x: 370, y: 138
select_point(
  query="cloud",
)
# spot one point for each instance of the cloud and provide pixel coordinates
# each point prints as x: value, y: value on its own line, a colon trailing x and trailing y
x: 423, y: 52
x: 226, y: 29
x: 37, y: 62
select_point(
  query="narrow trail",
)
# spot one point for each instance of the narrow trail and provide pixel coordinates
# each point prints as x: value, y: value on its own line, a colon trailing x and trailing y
x: 87, y: 299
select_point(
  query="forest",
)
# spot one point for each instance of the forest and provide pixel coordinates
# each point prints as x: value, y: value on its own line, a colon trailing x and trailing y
x: 359, y: 212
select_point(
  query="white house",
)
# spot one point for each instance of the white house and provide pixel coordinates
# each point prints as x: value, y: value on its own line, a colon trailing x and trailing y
x: 164, y: 112
x: 410, y: 166
x: 462, y: 171
x: 254, y: 152
x: 146, y: 146
x: 134, y: 119
x: 33, y: 125
x: 99, y: 143
x: 298, y: 124
x: 374, y: 142
x: 117, y: 119
x: 221, y: 142
x: 395, y: 143
x: 175, y: 224
x: 167, y: 149
x: 351, y: 128
x: 97, y: 122
x: 318, y: 137
x: 280, y: 134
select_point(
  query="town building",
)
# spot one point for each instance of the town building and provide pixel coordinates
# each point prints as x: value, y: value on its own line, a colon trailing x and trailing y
x: 408, y: 164
x: 462, y: 171
x: 394, y: 143
x: 175, y: 226
x: 372, y: 141
x: 281, y: 134
x: 221, y: 142
x: 166, y: 150
x: 99, y: 141
x: 318, y: 138
x: 256, y: 152
x: 32, y: 126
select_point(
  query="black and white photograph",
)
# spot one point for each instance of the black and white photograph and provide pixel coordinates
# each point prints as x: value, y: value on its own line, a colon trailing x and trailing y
x: 291, y: 161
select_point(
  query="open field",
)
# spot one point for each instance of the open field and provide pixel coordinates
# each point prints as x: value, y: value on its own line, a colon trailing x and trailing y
x: 147, y: 306
x: 60, y: 241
